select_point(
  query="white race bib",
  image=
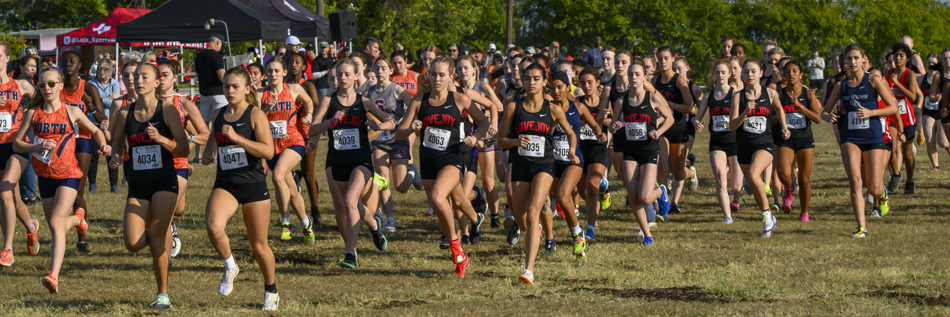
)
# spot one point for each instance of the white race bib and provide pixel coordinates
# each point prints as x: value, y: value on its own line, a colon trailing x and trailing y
x: 385, y: 136
x: 231, y: 157
x: 6, y: 121
x: 535, y: 147
x: 587, y: 133
x: 461, y: 131
x: 146, y: 157
x: 562, y: 151
x: 720, y: 123
x: 754, y: 124
x: 856, y: 123
x: 278, y: 129
x: 346, y: 139
x: 636, y: 131
x: 44, y: 155
x: 795, y: 120
x: 436, y: 139
x: 931, y: 105
x: 902, y: 105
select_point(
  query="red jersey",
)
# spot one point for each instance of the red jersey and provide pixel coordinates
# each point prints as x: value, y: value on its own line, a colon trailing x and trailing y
x: 75, y: 99
x: 60, y: 162
x: 10, y: 118
x: 904, y: 106
x: 180, y: 162
x: 408, y: 82
x: 282, y: 115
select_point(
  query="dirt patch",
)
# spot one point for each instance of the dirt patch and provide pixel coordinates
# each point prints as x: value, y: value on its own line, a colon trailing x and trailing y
x: 490, y: 274
x: 912, y: 298
x: 682, y: 294
x: 401, y: 303
x: 296, y: 258
x: 587, y: 281
x: 499, y: 252
x: 531, y: 296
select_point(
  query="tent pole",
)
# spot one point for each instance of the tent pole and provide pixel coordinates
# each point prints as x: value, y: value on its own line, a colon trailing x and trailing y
x: 260, y: 47
x: 57, y: 56
x: 115, y: 72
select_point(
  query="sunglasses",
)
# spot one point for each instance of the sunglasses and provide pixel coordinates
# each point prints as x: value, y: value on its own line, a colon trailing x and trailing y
x: 51, y: 84
x: 453, y: 51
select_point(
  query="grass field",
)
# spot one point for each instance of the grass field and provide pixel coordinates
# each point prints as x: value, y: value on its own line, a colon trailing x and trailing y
x: 697, y: 266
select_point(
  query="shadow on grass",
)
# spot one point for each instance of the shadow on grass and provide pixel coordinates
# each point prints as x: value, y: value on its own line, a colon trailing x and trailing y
x: 83, y: 306
x: 894, y: 292
x: 682, y: 294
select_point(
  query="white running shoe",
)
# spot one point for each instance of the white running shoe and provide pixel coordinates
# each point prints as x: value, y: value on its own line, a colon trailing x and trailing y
x: 693, y: 181
x: 416, y: 177
x: 526, y: 277
x: 271, y: 300
x: 227, y: 282
x: 640, y: 235
x: 176, y: 241
x: 768, y: 222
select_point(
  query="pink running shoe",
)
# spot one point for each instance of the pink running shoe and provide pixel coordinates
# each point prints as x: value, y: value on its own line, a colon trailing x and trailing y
x: 787, y: 200
x: 734, y: 206
x: 803, y: 217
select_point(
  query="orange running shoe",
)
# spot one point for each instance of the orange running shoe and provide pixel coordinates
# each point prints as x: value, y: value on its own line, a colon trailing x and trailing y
x: 459, y: 258
x: 82, y: 227
x: 6, y: 257
x: 32, y: 242
x: 50, y: 283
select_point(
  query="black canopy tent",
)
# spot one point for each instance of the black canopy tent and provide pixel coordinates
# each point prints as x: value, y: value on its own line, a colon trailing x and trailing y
x: 184, y: 21
x: 303, y: 22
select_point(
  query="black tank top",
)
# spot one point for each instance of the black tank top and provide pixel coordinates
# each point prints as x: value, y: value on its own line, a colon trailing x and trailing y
x: 757, y: 127
x: 147, y: 159
x: 587, y: 133
x: 638, y: 121
x: 614, y: 94
x: 720, y: 112
x: 348, y: 141
x: 538, y: 126
x: 440, y: 128
x: 672, y: 94
x: 235, y: 165
x: 795, y: 119
x: 466, y: 127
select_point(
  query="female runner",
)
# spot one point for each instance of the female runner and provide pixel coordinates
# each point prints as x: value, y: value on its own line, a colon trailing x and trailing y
x: 13, y: 92
x: 637, y: 115
x: 84, y: 96
x: 345, y: 116
x: 567, y: 176
x: 402, y: 76
x: 390, y: 154
x: 511, y: 92
x: 609, y: 97
x: 903, y: 82
x: 722, y: 141
x: 801, y: 109
x: 674, y: 88
x: 594, y: 150
x: 242, y: 139
x: 607, y: 63
x: 930, y: 88
x: 153, y: 183
x: 282, y: 108
x: 257, y: 75
x: 751, y: 111
x: 862, y: 144
x: 681, y: 67
x: 532, y: 121
x: 298, y: 66
x: 363, y: 81
x: 439, y: 115
x: 53, y: 124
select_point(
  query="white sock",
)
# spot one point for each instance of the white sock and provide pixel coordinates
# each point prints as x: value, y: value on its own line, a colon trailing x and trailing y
x: 285, y: 220
x: 305, y: 222
x: 229, y: 263
x: 576, y: 229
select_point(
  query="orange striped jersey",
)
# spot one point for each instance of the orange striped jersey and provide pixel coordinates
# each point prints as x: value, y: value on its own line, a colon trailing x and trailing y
x: 408, y: 82
x: 10, y: 118
x: 282, y: 115
x: 304, y: 129
x: 180, y: 162
x: 75, y: 99
x: 60, y: 162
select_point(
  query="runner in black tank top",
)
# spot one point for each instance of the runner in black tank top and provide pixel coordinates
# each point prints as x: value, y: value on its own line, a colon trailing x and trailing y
x: 153, y: 183
x: 241, y: 140
x: 750, y: 118
x: 722, y: 141
x: 595, y: 152
x: 532, y: 161
x: 349, y: 159
x: 681, y: 68
x: 637, y: 116
x: 437, y: 115
x: 801, y: 110
x: 933, y: 131
x: 674, y: 89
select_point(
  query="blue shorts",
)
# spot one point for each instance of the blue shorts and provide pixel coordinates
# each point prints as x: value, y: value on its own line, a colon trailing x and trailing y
x: 84, y: 146
x: 48, y: 186
x: 6, y: 151
x: 183, y: 172
x: 271, y: 163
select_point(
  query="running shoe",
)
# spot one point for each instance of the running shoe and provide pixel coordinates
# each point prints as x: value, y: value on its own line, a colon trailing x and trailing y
x: 114, y: 189
x: 935, y: 169
x: 550, y: 246
x: 6, y: 257
x: 380, y: 181
x: 894, y: 183
x: 774, y: 208
x: 271, y: 301
x: 920, y: 139
x: 161, y: 303
x: 315, y: 216
x: 390, y: 226
x: 32, y: 242
x: 93, y: 189
x: 82, y: 227
x: 768, y: 223
x: 444, y: 244
x: 298, y: 175
x: 416, y: 177
x: 914, y: 149
x: 787, y: 200
x: 51, y: 283
x: 882, y: 204
x: 125, y: 181
x: 308, y: 236
x: 560, y: 212
x: 227, y: 281
x: 379, y: 213
x: 465, y: 239
x: 286, y: 233
x: 460, y: 260
x: 514, y: 234
x: 495, y: 221
x: 582, y: 258
x: 693, y: 181
x: 650, y: 212
x: 378, y: 238
x: 803, y: 217
x: 747, y: 187
x: 640, y: 235
x: 349, y: 261
x: 604, y: 201
x: 734, y: 206
x: 727, y: 221
x: 526, y: 277
x: 176, y: 241
x: 647, y: 242
x: 674, y: 208
x: 768, y: 190
x: 547, y: 204
x: 479, y: 203
x: 430, y: 212
x: 861, y: 233
x: 580, y: 244
x: 83, y: 247
x: 664, y: 202
x: 509, y: 218
x: 909, y: 188
x: 476, y: 228
x: 604, y: 185
x: 691, y: 159
x: 875, y: 212
x: 870, y: 198
x: 589, y: 234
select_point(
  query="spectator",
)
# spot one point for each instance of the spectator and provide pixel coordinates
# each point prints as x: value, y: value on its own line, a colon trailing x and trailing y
x: 592, y: 56
x: 267, y: 55
x: 816, y: 71
x: 453, y: 50
x: 371, y: 48
x: 292, y: 46
x: 556, y: 51
x: 209, y: 66
x: 310, y: 53
x: 564, y: 57
x: 109, y: 90
x: 321, y: 68
x: 463, y: 50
